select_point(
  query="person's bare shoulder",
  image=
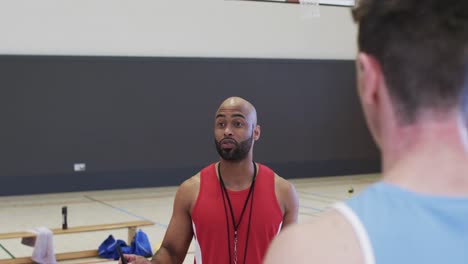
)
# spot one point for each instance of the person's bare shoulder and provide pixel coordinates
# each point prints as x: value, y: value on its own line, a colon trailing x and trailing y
x: 282, y: 183
x: 327, y: 239
x: 287, y: 199
x: 188, y: 191
x: 284, y: 189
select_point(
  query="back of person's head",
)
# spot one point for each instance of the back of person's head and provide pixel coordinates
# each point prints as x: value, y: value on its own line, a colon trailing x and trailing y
x: 422, y: 47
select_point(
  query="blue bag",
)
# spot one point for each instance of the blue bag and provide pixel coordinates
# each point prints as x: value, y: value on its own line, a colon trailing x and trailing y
x: 140, y: 246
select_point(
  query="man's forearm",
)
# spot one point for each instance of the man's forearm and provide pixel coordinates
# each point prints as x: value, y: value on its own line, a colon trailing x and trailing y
x: 163, y: 256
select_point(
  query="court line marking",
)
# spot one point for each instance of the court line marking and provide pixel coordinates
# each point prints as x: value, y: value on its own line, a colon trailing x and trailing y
x: 164, y: 226
x: 8, y: 252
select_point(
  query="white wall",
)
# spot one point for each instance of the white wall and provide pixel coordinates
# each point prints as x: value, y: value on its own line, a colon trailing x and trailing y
x: 194, y: 28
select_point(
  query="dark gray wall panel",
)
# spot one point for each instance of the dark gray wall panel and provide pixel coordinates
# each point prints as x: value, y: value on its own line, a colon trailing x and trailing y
x: 140, y: 122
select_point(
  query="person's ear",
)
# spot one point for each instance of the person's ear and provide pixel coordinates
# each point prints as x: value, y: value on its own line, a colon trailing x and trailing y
x: 256, y: 132
x: 369, y: 78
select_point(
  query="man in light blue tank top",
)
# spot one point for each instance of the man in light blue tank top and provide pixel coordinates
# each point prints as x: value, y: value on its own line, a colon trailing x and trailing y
x: 412, y: 74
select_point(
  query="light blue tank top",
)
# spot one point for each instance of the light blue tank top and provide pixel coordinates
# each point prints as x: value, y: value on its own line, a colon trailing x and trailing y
x: 406, y: 227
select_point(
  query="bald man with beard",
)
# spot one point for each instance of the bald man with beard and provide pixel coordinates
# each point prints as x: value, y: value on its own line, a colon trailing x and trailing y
x: 232, y: 208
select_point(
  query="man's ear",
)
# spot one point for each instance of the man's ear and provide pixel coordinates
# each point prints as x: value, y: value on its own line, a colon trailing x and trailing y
x: 256, y: 133
x: 369, y: 78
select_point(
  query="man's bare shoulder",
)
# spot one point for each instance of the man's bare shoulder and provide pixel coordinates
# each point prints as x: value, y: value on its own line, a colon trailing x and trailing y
x: 287, y: 199
x: 329, y: 238
x: 191, y: 183
x: 286, y: 193
x: 187, y: 192
x: 283, y: 185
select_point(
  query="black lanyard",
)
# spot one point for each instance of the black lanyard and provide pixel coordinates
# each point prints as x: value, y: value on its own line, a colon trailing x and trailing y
x: 236, y: 225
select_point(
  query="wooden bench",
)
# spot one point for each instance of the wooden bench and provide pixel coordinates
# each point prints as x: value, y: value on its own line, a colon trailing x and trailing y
x: 131, y: 226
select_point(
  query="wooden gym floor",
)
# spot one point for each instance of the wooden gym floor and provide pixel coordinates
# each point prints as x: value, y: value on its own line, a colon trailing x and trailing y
x: 21, y: 213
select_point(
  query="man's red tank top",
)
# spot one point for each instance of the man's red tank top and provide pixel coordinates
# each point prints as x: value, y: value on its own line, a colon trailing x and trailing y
x: 210, y: 220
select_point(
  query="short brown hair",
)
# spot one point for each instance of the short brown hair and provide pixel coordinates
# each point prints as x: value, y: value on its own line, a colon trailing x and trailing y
x: 422, y: 46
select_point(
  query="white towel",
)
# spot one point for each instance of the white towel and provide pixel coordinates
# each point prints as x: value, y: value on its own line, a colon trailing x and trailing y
x: 44, y: 247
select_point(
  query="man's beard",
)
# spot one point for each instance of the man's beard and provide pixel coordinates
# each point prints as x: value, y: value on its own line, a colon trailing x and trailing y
x: 238, y: 153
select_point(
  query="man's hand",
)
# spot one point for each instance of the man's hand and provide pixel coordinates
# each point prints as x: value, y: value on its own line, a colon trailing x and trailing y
x: 135, y: 259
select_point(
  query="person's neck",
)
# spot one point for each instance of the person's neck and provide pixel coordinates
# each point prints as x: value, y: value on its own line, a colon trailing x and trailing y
x: 428, y: 157
x: 237, y: 175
